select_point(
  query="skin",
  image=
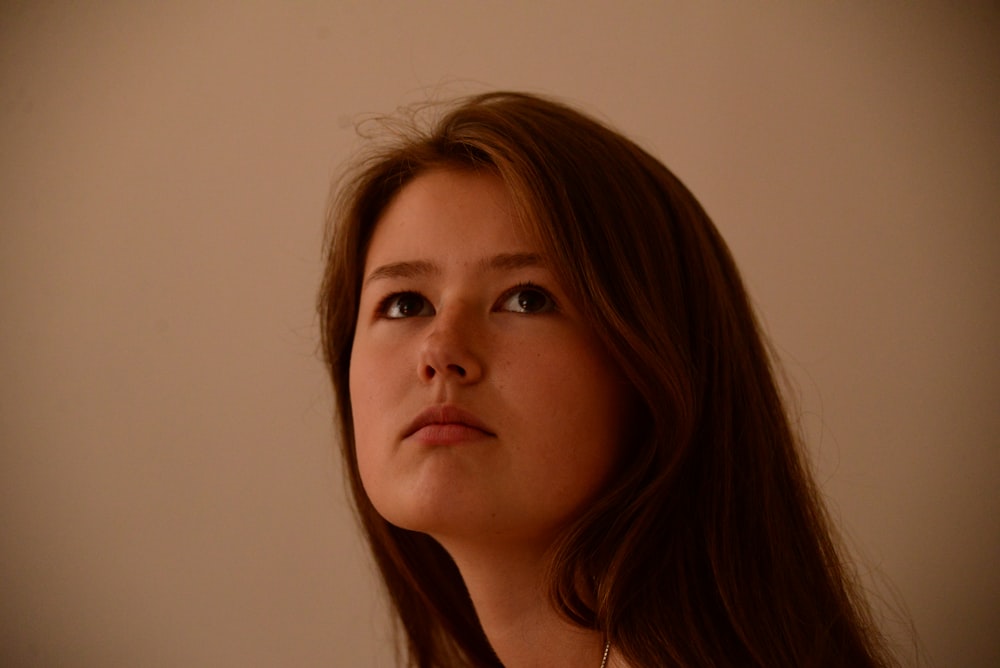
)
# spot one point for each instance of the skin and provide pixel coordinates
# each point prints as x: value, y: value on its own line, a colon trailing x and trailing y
x: 486, y: 413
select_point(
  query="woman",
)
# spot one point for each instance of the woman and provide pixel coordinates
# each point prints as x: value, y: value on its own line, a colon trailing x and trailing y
x: 558, y: 416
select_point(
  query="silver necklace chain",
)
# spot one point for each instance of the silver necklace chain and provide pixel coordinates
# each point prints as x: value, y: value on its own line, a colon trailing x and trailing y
x: 607, y: 648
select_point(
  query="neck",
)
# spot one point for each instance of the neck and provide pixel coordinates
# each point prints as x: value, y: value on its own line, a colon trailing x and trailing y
x: 510, y: 594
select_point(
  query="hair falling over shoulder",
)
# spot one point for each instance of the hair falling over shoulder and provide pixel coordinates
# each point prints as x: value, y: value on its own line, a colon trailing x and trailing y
x: 711, y: 546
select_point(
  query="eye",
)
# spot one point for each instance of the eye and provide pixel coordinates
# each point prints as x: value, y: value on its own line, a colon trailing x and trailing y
x: 404, y: 305
x: 527, y: 299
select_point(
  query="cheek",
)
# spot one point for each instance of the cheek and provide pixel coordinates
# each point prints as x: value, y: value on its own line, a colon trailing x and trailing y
x: 577, y: 425
x: 365, y: 387
x: 581, y: 401
x: 377, y: 382
x: 371, y: 376
x: 365, y: 418
x: 360, y: 395
x: 360, y: 369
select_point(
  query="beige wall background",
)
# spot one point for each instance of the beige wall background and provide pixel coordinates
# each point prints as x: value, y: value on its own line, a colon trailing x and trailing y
x: 169, y: 491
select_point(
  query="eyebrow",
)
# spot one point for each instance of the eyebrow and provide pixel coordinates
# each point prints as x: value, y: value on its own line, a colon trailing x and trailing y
x: 511, y: 261
x: 401, y: 270
x: 417, y: 268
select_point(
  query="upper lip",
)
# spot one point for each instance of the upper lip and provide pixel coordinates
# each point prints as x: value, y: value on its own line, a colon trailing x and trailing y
x: 446, y: 414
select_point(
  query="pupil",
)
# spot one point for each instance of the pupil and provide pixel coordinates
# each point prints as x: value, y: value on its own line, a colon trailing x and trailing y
x: 529, y: 300
x: 408, y: 305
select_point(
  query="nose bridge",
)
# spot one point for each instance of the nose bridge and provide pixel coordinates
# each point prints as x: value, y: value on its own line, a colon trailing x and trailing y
x: 450, y: 347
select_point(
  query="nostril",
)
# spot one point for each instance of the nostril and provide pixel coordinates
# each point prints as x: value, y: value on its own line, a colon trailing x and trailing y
x: 456, y: 369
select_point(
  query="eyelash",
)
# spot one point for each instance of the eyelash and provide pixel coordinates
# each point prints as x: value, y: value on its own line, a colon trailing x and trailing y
x: 388, y: 302
x: 551, y: 304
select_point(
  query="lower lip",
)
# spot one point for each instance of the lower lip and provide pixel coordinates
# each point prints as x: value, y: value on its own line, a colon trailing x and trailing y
x: 448, y: 434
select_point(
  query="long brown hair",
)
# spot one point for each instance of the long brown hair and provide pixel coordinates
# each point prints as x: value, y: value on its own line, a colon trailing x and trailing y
x: 710, y: 547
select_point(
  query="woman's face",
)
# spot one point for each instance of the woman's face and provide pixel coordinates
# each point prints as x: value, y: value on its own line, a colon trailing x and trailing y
x: 484, y: 407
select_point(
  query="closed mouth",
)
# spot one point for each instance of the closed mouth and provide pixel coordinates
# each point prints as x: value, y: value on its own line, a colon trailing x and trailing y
x: 446, y: 414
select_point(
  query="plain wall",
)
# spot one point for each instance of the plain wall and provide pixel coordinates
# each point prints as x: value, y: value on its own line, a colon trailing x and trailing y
x: 169, y: 488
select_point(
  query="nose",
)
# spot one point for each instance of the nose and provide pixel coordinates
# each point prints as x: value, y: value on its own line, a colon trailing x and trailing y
x: 448, y: 350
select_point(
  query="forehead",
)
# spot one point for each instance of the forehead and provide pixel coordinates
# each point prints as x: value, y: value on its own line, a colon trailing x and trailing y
x: 448, y: 214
